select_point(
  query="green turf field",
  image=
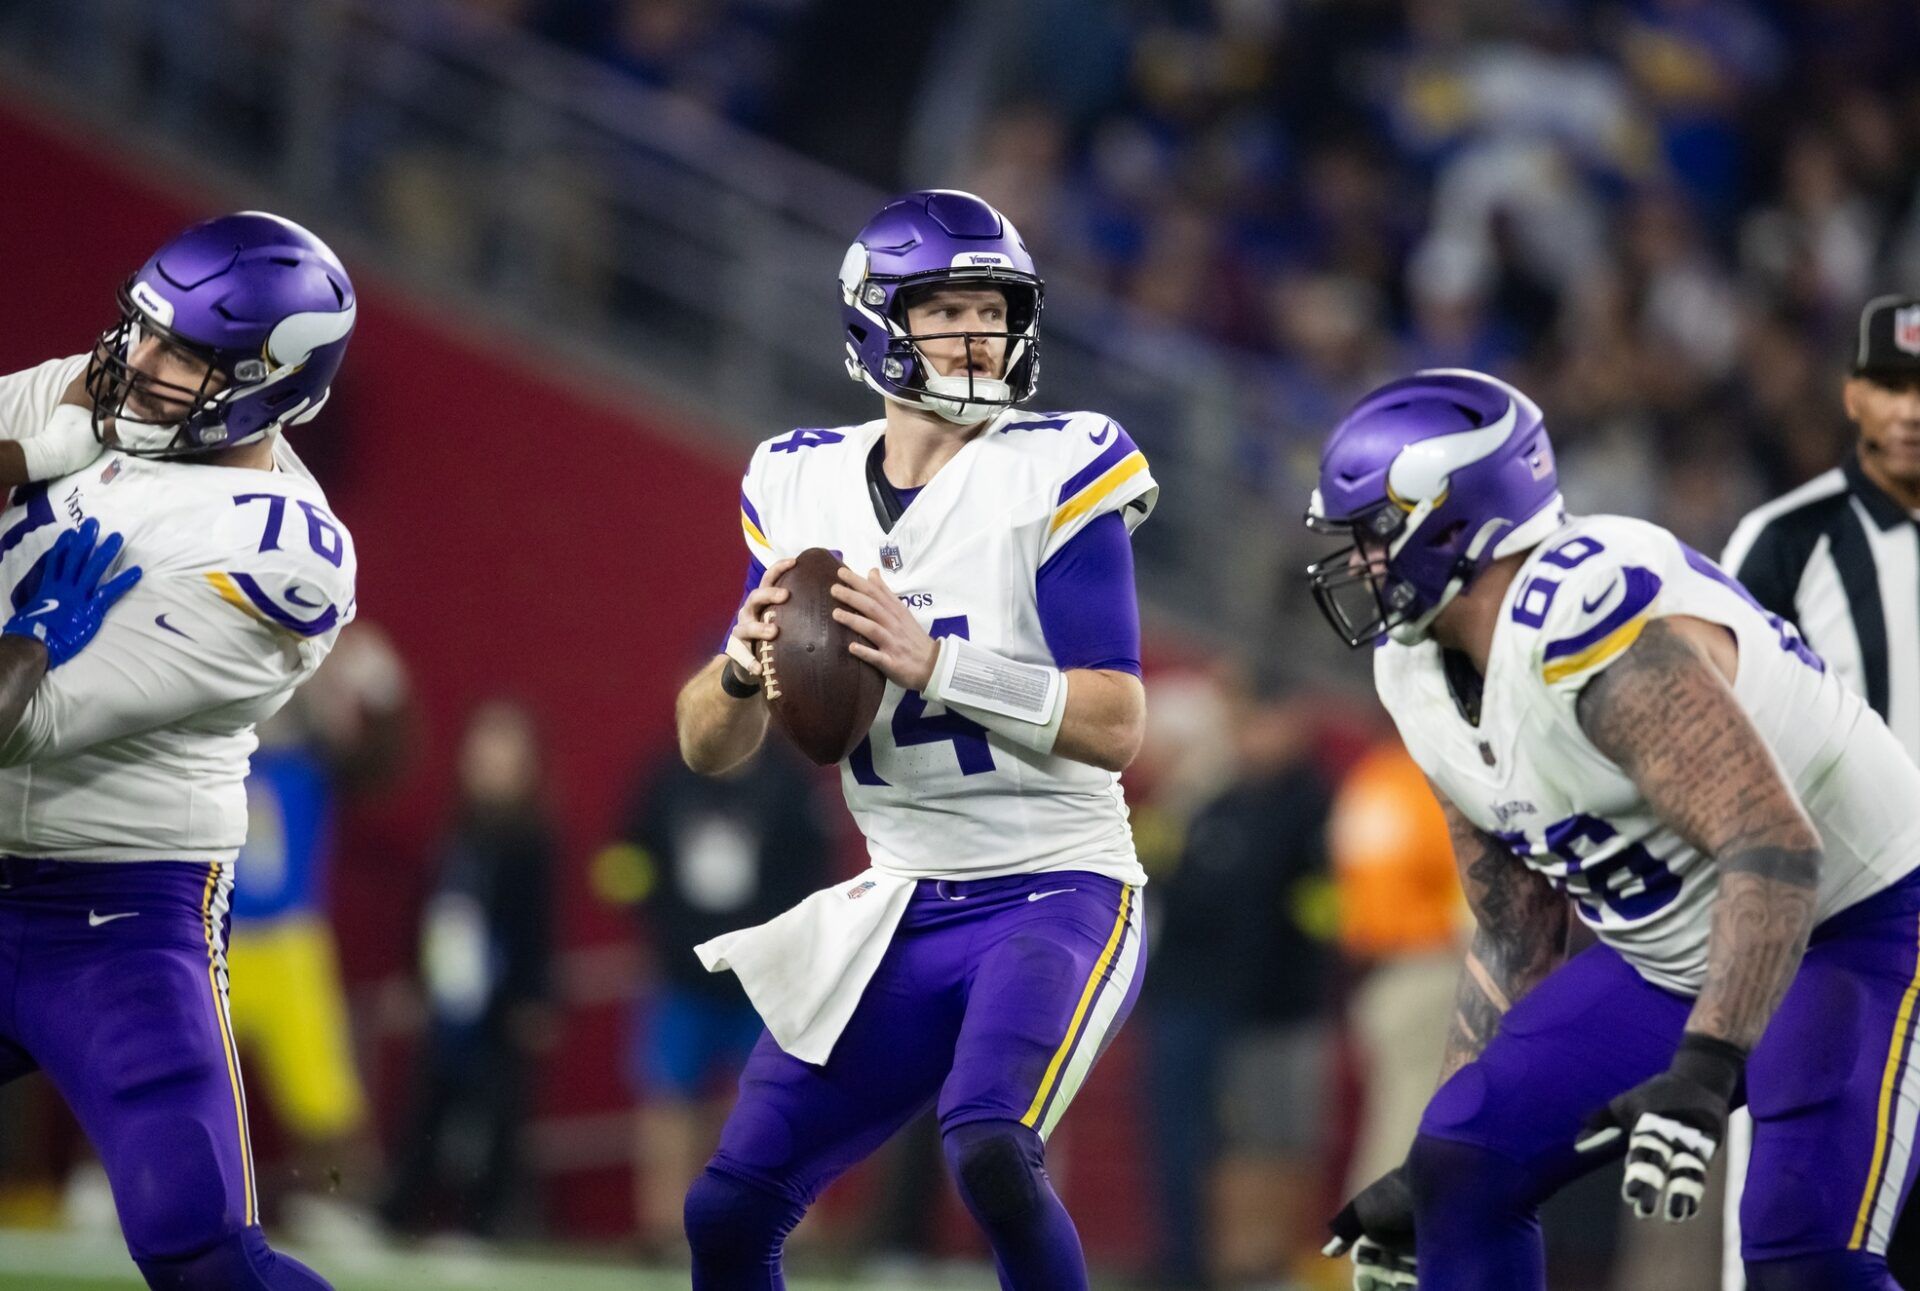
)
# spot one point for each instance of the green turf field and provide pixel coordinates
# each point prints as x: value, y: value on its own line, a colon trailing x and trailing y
x: 47, y: 1261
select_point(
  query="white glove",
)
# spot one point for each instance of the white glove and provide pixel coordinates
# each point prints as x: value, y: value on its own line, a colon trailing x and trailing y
x: 64, y: 445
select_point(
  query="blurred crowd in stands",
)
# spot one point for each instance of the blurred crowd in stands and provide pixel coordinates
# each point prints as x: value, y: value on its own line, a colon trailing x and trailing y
x: 1661, y: 217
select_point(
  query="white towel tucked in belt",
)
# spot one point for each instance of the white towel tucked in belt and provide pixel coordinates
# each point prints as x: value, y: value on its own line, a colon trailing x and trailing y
x: 805, y: 970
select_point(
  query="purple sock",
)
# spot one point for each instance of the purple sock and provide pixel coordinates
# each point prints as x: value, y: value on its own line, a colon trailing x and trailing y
x: 1831, y: 1271
x: 736, y: 1231
x: 1477, y: 1216
x: 1000, y: 1169
x: 243, y: 1262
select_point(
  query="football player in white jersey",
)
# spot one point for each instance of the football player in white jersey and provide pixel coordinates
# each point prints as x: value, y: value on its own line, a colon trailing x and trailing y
x: 121, y: 798
x: 1618, y: 731
x: 994, y: 947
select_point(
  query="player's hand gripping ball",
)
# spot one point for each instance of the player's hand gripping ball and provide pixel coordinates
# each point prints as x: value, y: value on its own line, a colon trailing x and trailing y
x: 822, y: 696
x: 1377, y: 1227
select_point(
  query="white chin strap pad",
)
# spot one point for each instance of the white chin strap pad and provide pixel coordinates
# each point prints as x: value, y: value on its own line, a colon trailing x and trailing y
x: 967, y: 400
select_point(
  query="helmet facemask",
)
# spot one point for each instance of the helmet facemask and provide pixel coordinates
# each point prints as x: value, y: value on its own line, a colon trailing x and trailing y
x: 200, y: 412
x: 907, y: 375
x: 1355, y: 586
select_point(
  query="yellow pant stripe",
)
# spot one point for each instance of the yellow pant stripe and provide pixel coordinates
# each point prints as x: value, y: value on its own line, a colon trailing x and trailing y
x: 1883, y: 1121
x: 1080, y: 1010
x: 226, y: 1043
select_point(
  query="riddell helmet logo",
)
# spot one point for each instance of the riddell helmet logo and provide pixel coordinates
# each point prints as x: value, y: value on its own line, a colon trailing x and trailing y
x: 153, y: 304
x: 1906, y: 329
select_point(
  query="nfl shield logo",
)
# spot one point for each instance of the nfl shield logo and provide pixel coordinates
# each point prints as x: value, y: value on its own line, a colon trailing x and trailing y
x: 113, y: 469
x: 890, y: 556
x: 1906, y: 329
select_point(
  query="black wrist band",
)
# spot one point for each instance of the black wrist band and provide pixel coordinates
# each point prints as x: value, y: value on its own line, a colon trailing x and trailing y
x: 735, y: 687
x: 1710, y: 1061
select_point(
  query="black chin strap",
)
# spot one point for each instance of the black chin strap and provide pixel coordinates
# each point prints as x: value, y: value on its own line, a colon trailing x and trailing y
x: 887, y: 507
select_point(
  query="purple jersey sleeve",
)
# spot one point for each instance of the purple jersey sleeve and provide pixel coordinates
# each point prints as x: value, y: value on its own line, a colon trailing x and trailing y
x: 755, y: 572
x: 1088, y: 609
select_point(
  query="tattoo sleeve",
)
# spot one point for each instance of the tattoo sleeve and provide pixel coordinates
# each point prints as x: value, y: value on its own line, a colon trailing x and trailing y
x: 1663, y: 712
x: 1521, y: 937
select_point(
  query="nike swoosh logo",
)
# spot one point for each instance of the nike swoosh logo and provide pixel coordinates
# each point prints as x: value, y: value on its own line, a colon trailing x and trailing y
x: 95, y: 920
x: 161, y: 619
x: 1101, y: 438
x: 42, y: 608
x: 1041, y: 896
x: 1596, y: 602
x: 293, y: 594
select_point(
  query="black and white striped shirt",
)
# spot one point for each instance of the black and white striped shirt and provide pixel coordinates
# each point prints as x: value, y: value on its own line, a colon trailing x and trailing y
x: 1841, y: 560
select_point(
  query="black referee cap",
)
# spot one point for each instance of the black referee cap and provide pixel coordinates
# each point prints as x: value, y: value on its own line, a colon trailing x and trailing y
x: 1889, y: 343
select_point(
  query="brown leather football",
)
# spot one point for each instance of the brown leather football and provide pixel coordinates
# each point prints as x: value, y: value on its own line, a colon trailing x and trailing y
x: 822, y: 696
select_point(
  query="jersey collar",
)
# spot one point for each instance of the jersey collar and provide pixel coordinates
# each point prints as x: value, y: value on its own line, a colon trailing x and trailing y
x: 1886, y: 513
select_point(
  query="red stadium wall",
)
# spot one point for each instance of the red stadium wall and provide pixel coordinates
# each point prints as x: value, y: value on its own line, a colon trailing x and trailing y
x: 515, y: 538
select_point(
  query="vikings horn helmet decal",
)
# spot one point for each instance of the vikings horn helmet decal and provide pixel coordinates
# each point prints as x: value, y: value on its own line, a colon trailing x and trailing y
x: 928, y: 239
x: 1433, y: 478
x: 261, y: 301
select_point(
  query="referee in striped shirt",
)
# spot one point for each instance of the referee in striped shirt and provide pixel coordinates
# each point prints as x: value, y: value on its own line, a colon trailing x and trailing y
x: 1839, y: 557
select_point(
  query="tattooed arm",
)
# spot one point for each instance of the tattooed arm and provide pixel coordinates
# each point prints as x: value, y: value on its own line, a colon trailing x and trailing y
x: 1521, y: 937
x: 1665, y: 712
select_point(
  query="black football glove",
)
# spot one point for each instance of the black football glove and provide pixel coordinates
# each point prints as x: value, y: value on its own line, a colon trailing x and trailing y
x: 1377, y: 1226
x: 1676, y: 1122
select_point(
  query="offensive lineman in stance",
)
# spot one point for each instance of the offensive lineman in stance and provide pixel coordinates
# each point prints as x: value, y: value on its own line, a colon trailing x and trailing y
x: 995, y: 946
x: 1614, y: 725
x: 121, y: 768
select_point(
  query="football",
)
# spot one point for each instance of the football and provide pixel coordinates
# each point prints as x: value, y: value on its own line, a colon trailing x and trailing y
x: 822, y: 696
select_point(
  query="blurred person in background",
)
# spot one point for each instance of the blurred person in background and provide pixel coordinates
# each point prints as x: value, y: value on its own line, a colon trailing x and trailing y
x: 1239, y: 1038
x: 344, y: 733
x: 701, y: 855
x: 1403, y: 925
x: 486, y: 960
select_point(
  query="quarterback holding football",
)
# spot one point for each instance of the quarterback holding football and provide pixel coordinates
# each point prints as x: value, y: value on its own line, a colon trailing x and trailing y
x: 994, y: 947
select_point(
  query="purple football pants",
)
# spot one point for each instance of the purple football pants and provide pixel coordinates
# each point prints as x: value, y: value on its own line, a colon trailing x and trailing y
x: 994, y: 1000
x: 113, y: 981
x: 1831, y: 1085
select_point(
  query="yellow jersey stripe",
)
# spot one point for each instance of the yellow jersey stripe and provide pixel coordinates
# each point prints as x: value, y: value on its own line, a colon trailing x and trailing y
x: 1901, y: 1025
x: 230, y: 593
x: 1088, y: 498
x: 1597, y: 653
x: 752, y: 531
x: 1080, y: 1010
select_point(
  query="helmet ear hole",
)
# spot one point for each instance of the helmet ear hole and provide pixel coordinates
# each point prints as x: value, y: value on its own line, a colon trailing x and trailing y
x: 858, y: 333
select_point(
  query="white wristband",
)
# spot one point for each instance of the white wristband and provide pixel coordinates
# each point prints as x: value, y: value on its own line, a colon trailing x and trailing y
x: 65, y: 445
x: 1024, y: 702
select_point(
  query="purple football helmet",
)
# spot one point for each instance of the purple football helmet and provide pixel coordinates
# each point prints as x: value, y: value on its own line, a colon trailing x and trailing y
x: 1433, y: 477
x: 938, y: 238
x: 260, y: 301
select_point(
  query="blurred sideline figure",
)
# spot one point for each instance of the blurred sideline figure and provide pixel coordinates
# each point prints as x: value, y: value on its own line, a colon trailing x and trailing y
x: 343, y: 733
x: 1240, y: 1035
x: 1403, y: 924
x: 1837, y: 559
x: 701, y: 855
x: 486, y: 962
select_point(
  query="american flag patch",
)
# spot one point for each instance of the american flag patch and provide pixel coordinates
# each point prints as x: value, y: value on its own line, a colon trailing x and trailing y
x: 1542, y: 464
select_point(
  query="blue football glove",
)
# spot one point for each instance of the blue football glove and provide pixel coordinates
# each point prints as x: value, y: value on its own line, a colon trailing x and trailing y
x: 70, y: 601
x: 1674, y: 1124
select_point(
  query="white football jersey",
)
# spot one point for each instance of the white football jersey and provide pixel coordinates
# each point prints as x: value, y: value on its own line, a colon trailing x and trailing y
x: 136, y: 748
x: 936, y: 795
x: 1529, y: 775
